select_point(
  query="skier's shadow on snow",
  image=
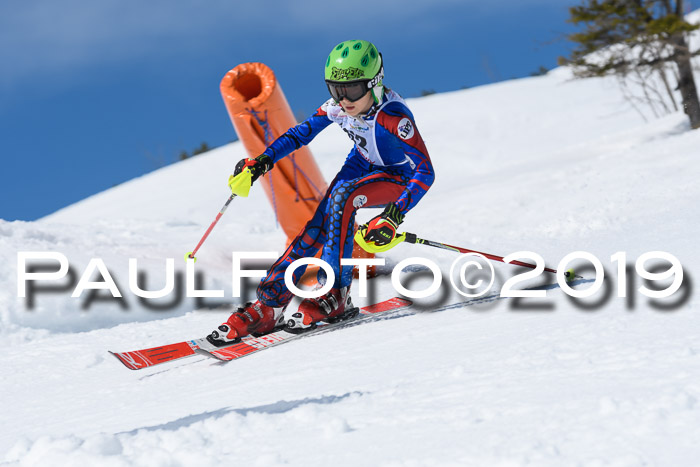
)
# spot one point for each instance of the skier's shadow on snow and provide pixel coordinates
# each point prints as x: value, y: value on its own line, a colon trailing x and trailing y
x: 278, y: 407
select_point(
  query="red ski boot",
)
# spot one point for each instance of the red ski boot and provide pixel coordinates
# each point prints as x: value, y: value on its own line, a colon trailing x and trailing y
x: 336, y: 305
x: 253, y: 318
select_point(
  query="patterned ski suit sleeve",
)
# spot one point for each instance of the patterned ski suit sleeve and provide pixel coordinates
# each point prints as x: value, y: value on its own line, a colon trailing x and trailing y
x: 299, y: 135
x: 396, y: 122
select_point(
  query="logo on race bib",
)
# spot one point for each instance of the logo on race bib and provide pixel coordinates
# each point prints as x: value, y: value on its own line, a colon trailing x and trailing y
x: 359, y: 201
x: 405, y: 128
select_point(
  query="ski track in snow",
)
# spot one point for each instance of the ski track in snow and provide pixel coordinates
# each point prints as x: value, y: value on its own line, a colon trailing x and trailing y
x: 545, y: 164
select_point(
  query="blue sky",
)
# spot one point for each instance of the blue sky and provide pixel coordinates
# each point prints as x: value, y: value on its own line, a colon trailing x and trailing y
x: 95, y: 93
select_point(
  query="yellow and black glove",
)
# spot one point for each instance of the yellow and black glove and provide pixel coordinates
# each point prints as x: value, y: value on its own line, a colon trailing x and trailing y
x: 382, y: 229
x: 379, y: 234
x: 248, y: 171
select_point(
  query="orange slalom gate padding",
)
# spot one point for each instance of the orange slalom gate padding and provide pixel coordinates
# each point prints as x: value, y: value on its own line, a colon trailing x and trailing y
x: 260, y: 114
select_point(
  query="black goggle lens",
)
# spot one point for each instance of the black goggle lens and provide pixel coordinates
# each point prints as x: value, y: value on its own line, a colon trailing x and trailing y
x: 350, y: 91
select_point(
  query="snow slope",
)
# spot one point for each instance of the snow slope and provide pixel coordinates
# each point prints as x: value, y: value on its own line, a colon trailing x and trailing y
x: 545, y: 164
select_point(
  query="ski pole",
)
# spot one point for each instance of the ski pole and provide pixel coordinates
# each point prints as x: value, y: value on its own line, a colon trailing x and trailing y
x: 413, y: 238
x: 206, y: 234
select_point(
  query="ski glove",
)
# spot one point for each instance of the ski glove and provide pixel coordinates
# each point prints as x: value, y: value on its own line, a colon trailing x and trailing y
x: 382, y: 229
x: 248, y: 171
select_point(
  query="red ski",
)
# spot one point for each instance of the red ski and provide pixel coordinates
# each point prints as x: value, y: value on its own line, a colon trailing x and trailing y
x: 138, y: 359
x: 144, y: 358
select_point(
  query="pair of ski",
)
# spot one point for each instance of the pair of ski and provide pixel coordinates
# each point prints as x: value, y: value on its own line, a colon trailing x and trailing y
x: 139, y: 359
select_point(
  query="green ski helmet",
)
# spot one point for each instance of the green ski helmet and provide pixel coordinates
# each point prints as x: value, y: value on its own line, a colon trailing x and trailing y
x: 352, y: 68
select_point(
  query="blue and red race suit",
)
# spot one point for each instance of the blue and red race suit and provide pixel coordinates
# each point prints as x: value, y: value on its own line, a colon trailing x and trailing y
x: 389, y: 163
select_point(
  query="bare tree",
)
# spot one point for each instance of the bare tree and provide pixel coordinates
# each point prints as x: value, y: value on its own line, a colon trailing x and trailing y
x: 642, y: 42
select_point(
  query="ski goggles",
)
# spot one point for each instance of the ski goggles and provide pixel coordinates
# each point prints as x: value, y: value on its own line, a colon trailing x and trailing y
x: 352, y: 91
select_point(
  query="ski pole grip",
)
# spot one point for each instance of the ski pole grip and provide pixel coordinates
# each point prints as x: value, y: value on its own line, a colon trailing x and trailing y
x: 410, y: 237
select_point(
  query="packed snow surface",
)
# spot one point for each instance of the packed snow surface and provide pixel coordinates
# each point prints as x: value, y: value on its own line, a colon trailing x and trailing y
x: 547, y: 164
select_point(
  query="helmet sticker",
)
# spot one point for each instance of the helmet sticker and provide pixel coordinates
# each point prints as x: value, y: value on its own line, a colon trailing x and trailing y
x: 405, y: 128
x: 339, y: 74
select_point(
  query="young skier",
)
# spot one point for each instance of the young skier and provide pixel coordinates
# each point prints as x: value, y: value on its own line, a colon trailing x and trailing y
x: 388, y: 166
